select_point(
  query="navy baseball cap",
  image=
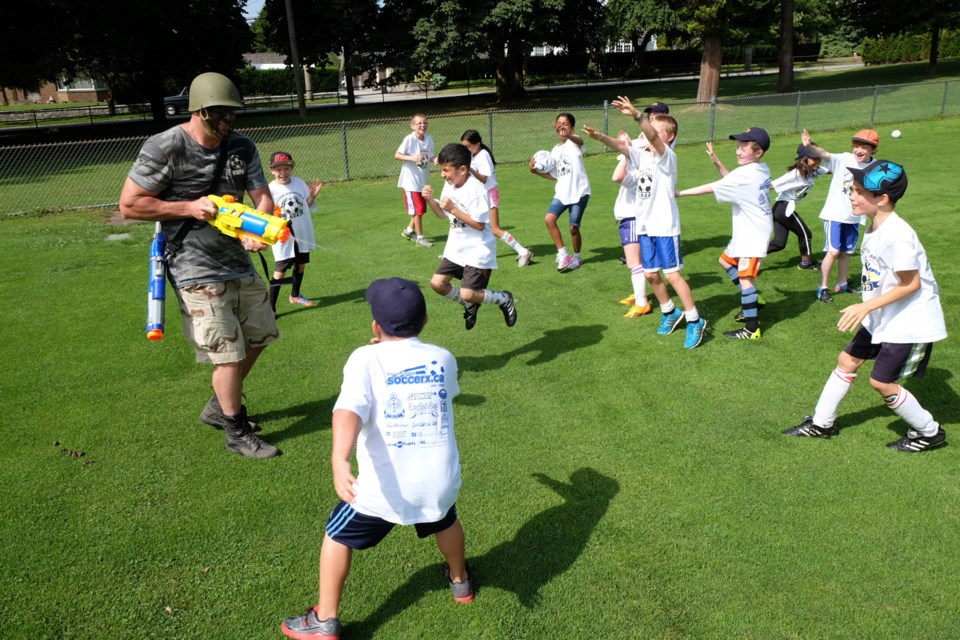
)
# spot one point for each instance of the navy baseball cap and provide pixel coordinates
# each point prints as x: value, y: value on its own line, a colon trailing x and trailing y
x: 882, y: 177
x: 657, y: 107
x: 398, y: 306
x: 754, y: 134
x: 805, y: 152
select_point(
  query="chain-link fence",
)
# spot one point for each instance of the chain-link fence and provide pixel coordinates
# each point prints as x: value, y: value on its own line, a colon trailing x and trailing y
x: 89, y: 174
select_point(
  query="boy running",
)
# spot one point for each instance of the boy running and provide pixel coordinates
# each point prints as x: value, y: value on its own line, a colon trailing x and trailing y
x: 416, y: 153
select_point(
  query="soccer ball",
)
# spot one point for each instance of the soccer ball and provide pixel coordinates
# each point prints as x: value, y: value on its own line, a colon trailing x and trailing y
x: 543, y: 162
x: 895, y: 133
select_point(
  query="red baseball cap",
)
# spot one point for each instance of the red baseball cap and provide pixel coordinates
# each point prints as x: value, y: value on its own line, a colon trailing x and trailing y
x: 281, y: 158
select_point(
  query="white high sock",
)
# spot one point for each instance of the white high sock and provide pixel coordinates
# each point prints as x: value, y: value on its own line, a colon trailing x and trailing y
x: 837, y: 386
x: 513, y: 243
x: 639, y: 282
x: 692, y: 315
x: 668, y: 308
x: 906, y: 405
x: 493, y: 297
x: 454, y: 294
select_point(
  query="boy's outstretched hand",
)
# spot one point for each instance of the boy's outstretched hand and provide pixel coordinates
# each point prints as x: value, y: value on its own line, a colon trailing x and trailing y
x: 852, y: 316
x: 625, y: 106
x: 805, y: 138
x: 590, y: 131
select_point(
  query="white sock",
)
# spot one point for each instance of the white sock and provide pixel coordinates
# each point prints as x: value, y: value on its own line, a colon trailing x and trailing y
x: 493, y: 297
x: 668, y: 308
x: 562, y: 253
x: 692, y: 315
x: 639, y: 282
x: 837, y: 386
x: 906, y: 405
x: 454, y: 294
x: 512, y: 243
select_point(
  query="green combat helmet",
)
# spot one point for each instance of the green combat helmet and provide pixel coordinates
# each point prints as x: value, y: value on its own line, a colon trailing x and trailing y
x: 213, y: 90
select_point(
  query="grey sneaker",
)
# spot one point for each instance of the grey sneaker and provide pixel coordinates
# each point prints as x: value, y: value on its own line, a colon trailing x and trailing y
x: 524, y: 258
x: 915, y: 442
x: 509, y: 310
x: 423, y: 242
x: 409, y: 234
x: 307, y: 626
x: 212, y: 415
x: 807, y: 429
x: 462, y: 591
x: 241, y: 439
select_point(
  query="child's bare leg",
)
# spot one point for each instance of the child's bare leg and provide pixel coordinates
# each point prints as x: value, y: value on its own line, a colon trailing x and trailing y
x: 471, y: 296
x: 334, y: 567
x: 441, y: 284
x: 575, y: 238
x: 418, y: 224
x: 825, y: 268
x: 551, y: 221
x: 452, y: 545
x: 683, y: 290
x: 658, y: 287
x: 843, y: 267
x: 495, y: 222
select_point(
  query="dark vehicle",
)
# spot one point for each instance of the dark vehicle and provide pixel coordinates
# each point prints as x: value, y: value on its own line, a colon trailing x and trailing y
x: 178, y: 103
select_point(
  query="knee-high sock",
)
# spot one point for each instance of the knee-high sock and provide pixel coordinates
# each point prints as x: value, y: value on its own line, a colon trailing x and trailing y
x: 639, y: 282
x: 493, y: 297
x: 748, y: 301
x: 512, y: 242
x: 905, y: 404
x: 454, y: 294
x: 297, y: 281
x: 837, y: 386
x: 734, y: 276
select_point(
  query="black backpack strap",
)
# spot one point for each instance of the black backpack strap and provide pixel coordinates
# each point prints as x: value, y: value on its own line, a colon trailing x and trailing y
x: 174, y: 244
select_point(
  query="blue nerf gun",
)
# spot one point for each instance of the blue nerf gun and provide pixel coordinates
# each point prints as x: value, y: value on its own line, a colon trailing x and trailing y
x: 157, y: 290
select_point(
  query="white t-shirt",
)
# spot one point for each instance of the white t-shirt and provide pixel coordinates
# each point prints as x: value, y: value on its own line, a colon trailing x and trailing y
x: 407, y: 459
x: 572, y: 182
x: 657, y: 212
x: 893, y: 247
x: 836, y: 208
x: 292, y: 200
x: 465, y: 246
x: 414, y: 175
x: 793, y: 187
x: 625, y: 205
x: 482, y: 163
x: 747, y: 188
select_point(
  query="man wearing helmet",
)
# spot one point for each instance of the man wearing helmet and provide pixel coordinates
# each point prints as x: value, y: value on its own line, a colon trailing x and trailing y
x: 224, y: 304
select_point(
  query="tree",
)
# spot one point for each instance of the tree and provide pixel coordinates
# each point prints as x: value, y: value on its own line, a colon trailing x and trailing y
x: 347, y: 28
x: 29, y: 58
x: 885, y: 17
x: 785, y: 75
x: 638, y: 21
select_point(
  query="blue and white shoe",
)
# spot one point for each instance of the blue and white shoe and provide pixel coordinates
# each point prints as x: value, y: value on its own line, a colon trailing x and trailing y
x: 669, y: 322
x: 694, y: 334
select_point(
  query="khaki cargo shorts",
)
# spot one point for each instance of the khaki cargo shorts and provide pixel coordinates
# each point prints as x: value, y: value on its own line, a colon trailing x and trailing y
x: 223, y: 319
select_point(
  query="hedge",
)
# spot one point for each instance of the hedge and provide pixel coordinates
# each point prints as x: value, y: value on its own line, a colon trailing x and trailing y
x: 908, y: 47
x: 275, y: 82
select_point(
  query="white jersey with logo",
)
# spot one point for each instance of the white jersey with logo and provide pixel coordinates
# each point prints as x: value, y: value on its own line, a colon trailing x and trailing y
x: 572, y: 182
x: 414, y: 175
x: 292, y: 201
x: 625, y: 206
x: 482, y: 163
x: 407, y: 459
x: 747, y: 188
x: 918, y: 318
x: 657, y: 212
x: 793, y: 186
x: 465, y: 246
x: 836, y: 208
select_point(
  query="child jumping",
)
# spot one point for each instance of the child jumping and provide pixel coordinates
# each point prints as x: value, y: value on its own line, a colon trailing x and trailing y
x: 900, y: 315
x: 470, y: 254
x: 398, y: 482
x: 484, y: 168
x: 295, y: 200
x: 747, y: 188
x: 416, y: 153
x: 572, y: 191
x: 841, y: 227
x: 791, y: 188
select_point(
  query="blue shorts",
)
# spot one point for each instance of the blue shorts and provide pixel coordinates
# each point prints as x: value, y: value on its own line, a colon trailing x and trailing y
x: 892, y: 360
x: 576, y: 210
x: 628, y: 231
x: 840, y: 236
x: 660, y: 253
x: 357, y: 531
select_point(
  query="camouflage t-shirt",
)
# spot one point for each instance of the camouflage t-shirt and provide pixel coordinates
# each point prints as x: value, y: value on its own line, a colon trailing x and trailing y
x: 178, y: 168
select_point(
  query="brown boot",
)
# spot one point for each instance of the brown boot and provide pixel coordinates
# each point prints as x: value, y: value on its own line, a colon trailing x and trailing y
x: 212, y: 415
x: 241, y: 439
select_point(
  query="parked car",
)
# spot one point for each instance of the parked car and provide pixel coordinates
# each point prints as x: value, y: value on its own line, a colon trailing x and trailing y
x: 178, y: 103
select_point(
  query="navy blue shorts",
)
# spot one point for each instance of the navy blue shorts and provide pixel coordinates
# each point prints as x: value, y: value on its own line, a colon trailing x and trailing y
x: 628, y: 232
x: 357, y: 531
x: 893, y: 360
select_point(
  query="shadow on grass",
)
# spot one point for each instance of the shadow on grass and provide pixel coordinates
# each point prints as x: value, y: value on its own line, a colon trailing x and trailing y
x: 933, y: 392
x: 542, y: 549
x: 553, y: 343
x: 308, y: 417
x: 324, y: 301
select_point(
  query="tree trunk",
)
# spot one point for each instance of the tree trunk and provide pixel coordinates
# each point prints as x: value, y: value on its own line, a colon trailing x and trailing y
x: 710, y: 68
x: 785, y: 76
x: 934, y: 50
x: 510, y: 74
x: 348, y: 76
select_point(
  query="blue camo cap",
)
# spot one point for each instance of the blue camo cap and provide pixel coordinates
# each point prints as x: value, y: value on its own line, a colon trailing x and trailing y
x: 882, y: 178
x: 398, y: 306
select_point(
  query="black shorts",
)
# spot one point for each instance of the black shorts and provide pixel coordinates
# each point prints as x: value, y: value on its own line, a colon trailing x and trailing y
x: 353, y: 529
x: 892, y: 360
x: 469, y: 277
x: 298, y: 258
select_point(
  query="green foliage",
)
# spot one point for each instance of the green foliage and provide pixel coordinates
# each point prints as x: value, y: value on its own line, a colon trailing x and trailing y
x: 906, y: 47
x: 842, y: 41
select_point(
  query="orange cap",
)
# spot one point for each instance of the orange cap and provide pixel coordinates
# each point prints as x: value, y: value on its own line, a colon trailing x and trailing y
x: 867, y: 136
x: 155, y: 334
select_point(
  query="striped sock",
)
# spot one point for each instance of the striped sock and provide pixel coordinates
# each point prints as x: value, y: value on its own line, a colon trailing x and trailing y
x: 837, y: 386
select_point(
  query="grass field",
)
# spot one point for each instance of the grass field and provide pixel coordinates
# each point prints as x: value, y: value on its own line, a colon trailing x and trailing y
x: 614, y: 485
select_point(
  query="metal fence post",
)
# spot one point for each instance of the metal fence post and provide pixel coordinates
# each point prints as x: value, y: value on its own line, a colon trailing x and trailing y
x: 606, y: 117
x: 873, y: 111
x: 796, y: 116
x: 490, y: 127
x: 346, y: 155
x: 713, y: 115
x: 943, y: 103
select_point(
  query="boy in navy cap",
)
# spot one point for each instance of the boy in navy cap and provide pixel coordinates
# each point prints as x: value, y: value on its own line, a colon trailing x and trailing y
x: 900, y: 317
x: 747, y: 188
x: 395, y: 406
